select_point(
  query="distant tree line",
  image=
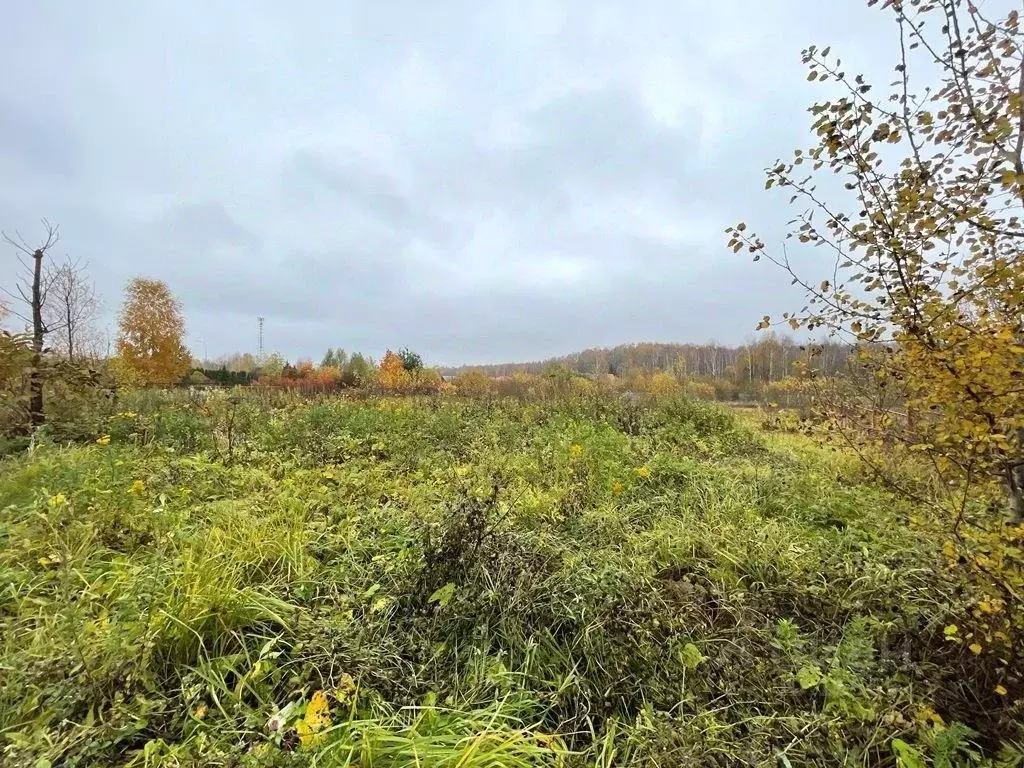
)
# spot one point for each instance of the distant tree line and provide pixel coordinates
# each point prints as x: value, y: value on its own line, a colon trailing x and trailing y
x: 770, y: 359
x: 220, y: 376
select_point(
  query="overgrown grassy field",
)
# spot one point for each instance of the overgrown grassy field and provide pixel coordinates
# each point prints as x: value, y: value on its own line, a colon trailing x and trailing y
x: 448, y: 582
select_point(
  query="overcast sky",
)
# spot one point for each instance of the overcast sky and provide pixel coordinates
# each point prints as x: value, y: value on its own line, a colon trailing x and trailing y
x: 480, y: 181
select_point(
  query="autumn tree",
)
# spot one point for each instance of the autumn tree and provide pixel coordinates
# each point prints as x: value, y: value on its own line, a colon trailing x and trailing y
x: 357, y: 371
x: 33, y: 290
x: 926, y: 267
x: 924, y: 277
x: 238, y: 362
x: 473, y: 383
x: 273, y: 365
x: 662, y: 383
x: 15, y: 357
x: 392, y: 375
x: 150, y: 344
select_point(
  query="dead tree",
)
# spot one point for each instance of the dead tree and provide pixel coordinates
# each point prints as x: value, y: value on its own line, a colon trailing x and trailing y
x: 32, y: 289
x: 71, y: 309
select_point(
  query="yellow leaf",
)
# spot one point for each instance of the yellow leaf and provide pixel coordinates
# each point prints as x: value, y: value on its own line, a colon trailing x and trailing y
x: 929, y: 715
x: 975, y: 649
x: 345, y: 689
x: 990, y: 606
x: 316, y: 719
x: 1000, y: 690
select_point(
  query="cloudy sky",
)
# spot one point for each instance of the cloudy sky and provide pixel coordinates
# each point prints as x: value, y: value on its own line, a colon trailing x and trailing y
x: 478, y: 181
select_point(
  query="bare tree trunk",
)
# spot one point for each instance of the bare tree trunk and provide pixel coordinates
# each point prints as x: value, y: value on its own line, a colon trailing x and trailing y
x: 1015, y: 492
x: 71, y: 332
x: 34, y: 299
x: 1015, y: 484
x: 35, y: 385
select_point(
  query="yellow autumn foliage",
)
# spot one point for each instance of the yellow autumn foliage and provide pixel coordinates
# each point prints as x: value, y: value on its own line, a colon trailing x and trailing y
x: 317, y: 719
x: 151, y: 330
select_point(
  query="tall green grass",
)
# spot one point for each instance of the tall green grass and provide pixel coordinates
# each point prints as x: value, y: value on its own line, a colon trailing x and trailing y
x: 581, y: 583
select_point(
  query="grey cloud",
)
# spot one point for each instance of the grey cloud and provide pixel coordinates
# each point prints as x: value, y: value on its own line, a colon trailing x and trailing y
x: 201, y: 226
x: 479, y: 182
x: 33, y: 142
x: 359, y: 192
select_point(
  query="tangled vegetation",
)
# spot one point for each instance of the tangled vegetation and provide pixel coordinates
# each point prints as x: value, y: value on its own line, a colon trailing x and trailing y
x: 254, y: 579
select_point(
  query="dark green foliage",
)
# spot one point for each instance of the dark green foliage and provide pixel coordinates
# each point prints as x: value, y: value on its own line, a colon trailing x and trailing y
x: 411, y: 361
x: 225, y: 378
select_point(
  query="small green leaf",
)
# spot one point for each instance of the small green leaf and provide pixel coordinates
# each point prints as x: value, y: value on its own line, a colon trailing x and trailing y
x: 809, y: 676
x: 443, y: 595
x: 692, y: 657
x: 907, y: 756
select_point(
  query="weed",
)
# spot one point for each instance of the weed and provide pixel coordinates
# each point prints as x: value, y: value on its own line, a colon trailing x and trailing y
x: 585, y: 581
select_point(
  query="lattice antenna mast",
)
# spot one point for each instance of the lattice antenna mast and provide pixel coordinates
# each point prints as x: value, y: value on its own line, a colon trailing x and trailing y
x: 259, y: 322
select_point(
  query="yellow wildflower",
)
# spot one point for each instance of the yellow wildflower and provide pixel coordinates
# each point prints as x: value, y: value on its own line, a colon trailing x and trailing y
x: 137, y: 487
x: 575, y: 449
x: 57, y: 500
x: 617, y: 488
x: 644, y: 472
x: 105, y: 440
